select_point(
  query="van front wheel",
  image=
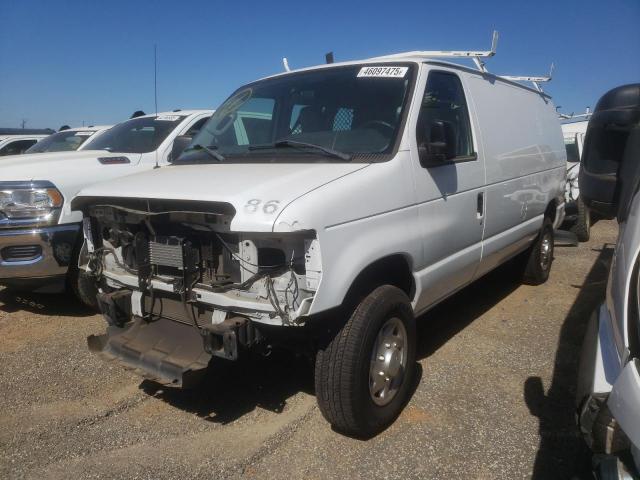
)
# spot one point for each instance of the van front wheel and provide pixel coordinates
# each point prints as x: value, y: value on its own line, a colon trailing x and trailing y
x: 363, y: 376
x: 540, y: 256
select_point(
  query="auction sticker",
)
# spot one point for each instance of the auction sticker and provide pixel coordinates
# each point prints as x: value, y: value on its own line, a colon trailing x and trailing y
x: 386, y: 72
x: 83, y: 134
x: 167, y: 118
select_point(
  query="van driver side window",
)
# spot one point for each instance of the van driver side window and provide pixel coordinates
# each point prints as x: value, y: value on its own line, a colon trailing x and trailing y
x: 444, y: 104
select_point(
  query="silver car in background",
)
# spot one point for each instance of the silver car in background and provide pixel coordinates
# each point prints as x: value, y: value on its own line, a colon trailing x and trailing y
x: 608, y: 393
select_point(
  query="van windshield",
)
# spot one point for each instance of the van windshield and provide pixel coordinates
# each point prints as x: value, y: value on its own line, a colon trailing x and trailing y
x: 350, y: 113
x: 138, y: 135
x: 65, y: 141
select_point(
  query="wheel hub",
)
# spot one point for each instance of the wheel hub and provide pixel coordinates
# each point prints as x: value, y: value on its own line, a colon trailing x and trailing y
x: 388, y: 362
x: 546, y: 251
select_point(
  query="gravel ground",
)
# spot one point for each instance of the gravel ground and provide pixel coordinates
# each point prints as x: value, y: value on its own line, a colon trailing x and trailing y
x: 494, y: 398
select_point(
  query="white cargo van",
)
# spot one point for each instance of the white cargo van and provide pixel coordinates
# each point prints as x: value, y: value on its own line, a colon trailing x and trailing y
x: 608, y: 393
x: 323, y: 210
x: 40, y: 235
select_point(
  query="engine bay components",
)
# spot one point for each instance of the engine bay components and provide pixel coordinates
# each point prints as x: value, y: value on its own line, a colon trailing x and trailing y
x: 259, y: 276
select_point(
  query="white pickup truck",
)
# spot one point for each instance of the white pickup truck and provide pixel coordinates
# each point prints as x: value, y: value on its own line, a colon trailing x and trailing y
x: 40, y: 238
x: 17, y: 144
x: 69, y: 140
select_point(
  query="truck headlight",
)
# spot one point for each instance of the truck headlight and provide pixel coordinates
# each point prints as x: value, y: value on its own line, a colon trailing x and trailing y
x: 29, y: 202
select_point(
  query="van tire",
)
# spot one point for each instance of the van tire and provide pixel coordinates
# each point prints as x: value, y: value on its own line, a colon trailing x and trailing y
x: 582, y: 226
x: 343, y: 366
x: 539, y: 257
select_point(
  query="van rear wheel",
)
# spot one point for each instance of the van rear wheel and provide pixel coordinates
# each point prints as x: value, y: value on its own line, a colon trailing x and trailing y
x: 539, y: 257
x: 363, y: 376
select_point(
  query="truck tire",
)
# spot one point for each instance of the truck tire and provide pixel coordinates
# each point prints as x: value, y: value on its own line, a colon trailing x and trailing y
x: 81, y: 284
x: 582, y: 226
x: 363, y: 376
x: 539, y: 257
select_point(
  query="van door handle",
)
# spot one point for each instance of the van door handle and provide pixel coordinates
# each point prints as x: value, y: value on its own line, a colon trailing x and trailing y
x: 480, y: 211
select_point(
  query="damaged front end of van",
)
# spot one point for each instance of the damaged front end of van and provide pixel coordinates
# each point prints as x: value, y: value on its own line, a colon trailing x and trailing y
x: 178, y: 287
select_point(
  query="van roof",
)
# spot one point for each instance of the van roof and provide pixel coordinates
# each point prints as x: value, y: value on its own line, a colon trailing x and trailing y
x: 413, y: 57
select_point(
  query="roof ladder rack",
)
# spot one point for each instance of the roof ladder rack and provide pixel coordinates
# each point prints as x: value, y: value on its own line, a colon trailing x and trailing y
x: 535, y: 80
x: 474, y: 55
x: 572, y: 116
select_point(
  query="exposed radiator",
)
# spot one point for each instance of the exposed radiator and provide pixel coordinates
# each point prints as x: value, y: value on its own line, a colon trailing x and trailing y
x: 167, y: 252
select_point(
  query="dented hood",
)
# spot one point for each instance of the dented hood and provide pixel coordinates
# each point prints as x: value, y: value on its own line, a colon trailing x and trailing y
x: 257, y: 192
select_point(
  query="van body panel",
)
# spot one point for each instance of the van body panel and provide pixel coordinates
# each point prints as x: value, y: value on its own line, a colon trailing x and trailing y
x: 359, y: 219
x: 525, y: 163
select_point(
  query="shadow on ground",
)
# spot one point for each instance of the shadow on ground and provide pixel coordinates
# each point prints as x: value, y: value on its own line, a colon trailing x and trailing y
x: 561, y: 453
x: 451, y: 316
x: 60, y: 304
x: 232, y: 389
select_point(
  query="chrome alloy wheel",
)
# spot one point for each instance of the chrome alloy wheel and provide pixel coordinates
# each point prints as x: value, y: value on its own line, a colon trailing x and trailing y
x: 546, y: 251
x: 388, y: 362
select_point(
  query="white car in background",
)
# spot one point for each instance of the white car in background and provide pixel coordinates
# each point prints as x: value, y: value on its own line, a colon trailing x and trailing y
x: 69, y: 140
x: 608, y: 393
x: 40, y: 236
x: 19, y: 143
x: 578, y: 215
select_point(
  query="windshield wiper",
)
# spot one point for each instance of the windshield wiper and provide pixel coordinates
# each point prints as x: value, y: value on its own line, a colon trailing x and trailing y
x: 295, y: 144
x: 211, y: 150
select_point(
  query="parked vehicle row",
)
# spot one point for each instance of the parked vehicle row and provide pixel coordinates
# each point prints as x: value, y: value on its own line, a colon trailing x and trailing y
x: 40, y: 235
x: 322, y: 210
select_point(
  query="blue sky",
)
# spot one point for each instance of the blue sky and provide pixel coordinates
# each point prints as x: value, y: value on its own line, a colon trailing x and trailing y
x: 65, y: 62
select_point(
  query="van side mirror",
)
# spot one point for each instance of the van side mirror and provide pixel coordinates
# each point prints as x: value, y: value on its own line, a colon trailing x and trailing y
x: 179, y: 144
x: 440, y: 144
x: 610, y: 170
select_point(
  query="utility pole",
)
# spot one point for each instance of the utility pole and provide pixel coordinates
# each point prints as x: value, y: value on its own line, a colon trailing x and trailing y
x: 23, y: 123
x: 155, y: 76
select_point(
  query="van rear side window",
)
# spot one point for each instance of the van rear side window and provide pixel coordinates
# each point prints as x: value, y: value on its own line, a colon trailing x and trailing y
x: 444, y: 101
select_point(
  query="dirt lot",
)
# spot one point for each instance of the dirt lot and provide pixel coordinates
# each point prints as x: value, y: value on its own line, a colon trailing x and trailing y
x: 494, y: 398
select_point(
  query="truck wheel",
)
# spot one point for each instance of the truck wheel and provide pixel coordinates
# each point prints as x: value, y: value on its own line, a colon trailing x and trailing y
x: 539, y: 257
x: 582, y: 227
x: 81, y: 284
x: 363, y: 376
